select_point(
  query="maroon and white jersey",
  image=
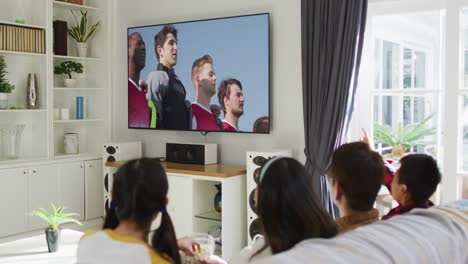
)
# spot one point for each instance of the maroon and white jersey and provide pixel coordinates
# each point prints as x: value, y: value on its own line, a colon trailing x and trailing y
x: 204, y: 119
x: 138, y: 111
x: 228, y: 127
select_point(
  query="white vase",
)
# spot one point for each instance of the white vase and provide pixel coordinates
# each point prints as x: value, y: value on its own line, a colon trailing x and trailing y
x: 11, y: 136
x: 82, y: 48
x: 70, y: 143
x: 70, y: 83
x: 3, y: 100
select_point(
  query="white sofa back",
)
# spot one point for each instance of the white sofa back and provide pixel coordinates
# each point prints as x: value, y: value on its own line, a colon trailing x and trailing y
x: 436, y: 235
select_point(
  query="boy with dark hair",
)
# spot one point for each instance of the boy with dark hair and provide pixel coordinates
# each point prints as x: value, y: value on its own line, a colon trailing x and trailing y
x: 413, y: 183
x: 356, y: 176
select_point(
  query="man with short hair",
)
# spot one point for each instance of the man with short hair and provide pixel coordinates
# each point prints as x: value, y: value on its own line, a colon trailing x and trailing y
x: 261, y: 125
x: 204, y: 82
x: 138, y: 110
x: 356, y: 176
x: 231, y: 99
x: 166, y: 90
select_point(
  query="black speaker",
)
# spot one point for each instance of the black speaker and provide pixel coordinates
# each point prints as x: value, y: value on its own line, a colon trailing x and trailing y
x: 60, y: 37
x: 201, y: 154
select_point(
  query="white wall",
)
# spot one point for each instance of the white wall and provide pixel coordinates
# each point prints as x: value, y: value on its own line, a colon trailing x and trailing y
x: 285, y: 76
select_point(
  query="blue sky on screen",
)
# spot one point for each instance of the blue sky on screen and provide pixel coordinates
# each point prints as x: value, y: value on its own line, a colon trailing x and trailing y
x: 239, y: 48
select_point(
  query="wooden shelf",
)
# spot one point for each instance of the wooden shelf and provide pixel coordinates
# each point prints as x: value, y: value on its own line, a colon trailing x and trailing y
x: 23, y: 111
x: 79, y: 155
x: 77, y: 121
x: 59, y: 4
x: 19, y: 160
x: 76, y: 58
x: 21, y: 25
x: 7, y: 52
x: 66, y: 89
x: 212, y: 215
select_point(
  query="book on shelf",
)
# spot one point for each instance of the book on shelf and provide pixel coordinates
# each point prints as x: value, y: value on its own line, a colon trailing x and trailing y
x: 1, y: 37
x: 22, y: 39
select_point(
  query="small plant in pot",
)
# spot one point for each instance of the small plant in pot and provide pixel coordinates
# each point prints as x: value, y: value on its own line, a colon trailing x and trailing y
x: 5, y: 86
x: 68, y: 67
x: 55, y: 218
x: 81, y: 32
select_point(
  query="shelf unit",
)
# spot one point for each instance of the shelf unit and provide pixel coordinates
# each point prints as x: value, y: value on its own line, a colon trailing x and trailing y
x: 193, y: 212
x: 42, y: 139
x: 191, y: 206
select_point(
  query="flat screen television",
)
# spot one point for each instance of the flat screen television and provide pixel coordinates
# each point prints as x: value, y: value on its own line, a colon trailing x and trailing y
x: 208, y: 75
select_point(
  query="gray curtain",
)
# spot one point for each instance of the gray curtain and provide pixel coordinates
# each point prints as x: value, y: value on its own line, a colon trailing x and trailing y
x: 332, y: 39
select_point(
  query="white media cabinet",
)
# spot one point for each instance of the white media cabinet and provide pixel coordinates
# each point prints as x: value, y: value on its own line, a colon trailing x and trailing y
x: 191, y: 201
x: 76, y: 184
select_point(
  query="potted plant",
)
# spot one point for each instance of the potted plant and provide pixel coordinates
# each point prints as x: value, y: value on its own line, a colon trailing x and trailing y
x: 81, y: 32
x: 55, y: 218
x: 68, y: 67
x: 402, y: 137
x: 5, y: 86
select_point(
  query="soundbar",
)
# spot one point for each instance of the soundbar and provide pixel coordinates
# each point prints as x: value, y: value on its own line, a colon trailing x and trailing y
x: 192, y: 153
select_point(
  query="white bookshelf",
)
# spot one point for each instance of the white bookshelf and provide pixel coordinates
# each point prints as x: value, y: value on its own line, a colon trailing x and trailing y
x: 92, y: 84
x: 42, y: 173
x: 43, y: 136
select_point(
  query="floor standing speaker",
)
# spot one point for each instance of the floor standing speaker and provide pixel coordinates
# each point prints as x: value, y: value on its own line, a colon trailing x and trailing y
x: 115, y: 152
x: 255, y: 161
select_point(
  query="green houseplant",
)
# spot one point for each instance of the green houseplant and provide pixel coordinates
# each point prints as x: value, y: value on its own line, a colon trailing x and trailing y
x: 54, y: 218
x: 5, y: 86
x: 69, y: 67
x: 402, y: 137
x: 81, y: 32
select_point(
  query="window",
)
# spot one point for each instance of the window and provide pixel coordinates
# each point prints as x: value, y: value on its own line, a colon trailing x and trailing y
x: 401, y: 96
x: 415, y: 63
x: 402, y: 80
x: 463, y: 102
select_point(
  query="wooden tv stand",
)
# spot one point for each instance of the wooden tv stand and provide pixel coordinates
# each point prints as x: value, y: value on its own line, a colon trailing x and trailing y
x: 211, y: 170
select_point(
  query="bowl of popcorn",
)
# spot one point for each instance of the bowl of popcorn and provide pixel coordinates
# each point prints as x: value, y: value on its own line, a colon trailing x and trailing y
x: 203, y: 249
x: 207, y: 245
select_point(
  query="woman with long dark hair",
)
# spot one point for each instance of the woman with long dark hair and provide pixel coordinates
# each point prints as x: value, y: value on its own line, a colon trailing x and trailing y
x: 139, y: 194
x: 288, y: 209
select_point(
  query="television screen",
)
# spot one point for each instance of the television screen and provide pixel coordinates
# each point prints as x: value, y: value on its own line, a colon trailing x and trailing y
x: 207, y: 75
